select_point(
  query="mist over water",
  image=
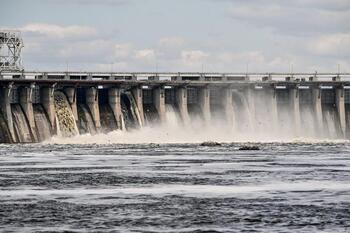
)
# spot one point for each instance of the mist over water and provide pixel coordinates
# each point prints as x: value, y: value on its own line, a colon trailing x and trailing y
x: 259, y: 119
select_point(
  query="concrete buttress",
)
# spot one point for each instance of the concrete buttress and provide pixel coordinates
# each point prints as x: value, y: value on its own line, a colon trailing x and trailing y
x: 159, y: 102
x: 92, y: 103
x: 204, y: 102
x: 48, y: 102
x: 114, y: 103
x: 137, y: 94
x: 25, y: 100
x: 72, y: 99
x: 181, y: 101
x: 340, y: 103
x: 6, y: 108
x: 295, y: 109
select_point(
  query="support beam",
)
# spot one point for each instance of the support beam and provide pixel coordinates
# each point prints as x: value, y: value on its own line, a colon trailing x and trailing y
x: 340, y: 102
x: 6, y: 110
x: 48, y: 102
x: 71, y: 93
x: 114, y: 103
x: 181, y: 101
x: 137, y: 93
x: 159, y: 102
x: 204, y: 102
x: 92, y: 103
x: 228, y: 106
x: 317, y: 106
x: 25, y: 100
x: 295, y: 108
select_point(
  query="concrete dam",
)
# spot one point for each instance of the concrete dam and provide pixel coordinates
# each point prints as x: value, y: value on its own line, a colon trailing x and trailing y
x: 35, y: 106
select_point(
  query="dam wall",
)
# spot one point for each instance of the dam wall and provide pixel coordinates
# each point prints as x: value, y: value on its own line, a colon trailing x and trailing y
x: 35, y: 106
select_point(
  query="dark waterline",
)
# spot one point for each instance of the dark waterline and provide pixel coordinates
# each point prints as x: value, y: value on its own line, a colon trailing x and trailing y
x: 283, y: 187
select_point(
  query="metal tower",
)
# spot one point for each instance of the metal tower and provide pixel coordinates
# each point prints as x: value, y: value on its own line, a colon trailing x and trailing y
x: 11, y: 44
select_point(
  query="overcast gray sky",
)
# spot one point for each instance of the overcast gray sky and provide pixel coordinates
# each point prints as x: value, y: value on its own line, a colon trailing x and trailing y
x: 182, y: 35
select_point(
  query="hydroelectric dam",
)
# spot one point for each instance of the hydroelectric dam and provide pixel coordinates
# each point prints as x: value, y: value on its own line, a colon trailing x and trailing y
x: 38, y: 105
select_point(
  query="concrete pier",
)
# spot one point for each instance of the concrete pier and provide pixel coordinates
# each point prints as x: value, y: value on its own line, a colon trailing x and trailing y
x: 228, y: 106
x: 72, y: 99
x: 272, y: 97
x: 204, y: 102
x: 25, y: 100
x: 295, y: 107
x: 114, y: 103
x: 340, y: 103
x: 6, y: 109
x: 159, y: 102
x: 181, y: 102
x: 137, y: 93
x: 317, y: 107
x: 92, y: 103
x: 48, y: 102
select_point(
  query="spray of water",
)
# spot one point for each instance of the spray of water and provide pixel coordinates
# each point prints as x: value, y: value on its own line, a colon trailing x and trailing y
x: 253, y: 122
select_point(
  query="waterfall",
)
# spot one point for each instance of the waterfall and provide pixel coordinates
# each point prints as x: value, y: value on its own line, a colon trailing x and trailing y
x: 5, y: 135
x: 172, y: 117
x: 308, y: 119
x: 42, y: 123
x: 331, y: 122
x: 65, y: 118
x: 108, y: 122
x: 243, y: 116
x: 131, y: 115
x: 86, y: 124
x: 21, y: 125
x: 134, y: 108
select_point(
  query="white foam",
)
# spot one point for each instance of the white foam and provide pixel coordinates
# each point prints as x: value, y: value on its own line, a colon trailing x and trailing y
x: 187, y: 190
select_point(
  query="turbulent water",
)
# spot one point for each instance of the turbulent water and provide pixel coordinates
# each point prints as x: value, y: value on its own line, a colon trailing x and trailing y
x: 67, y: 126
x: 85, y: 180
x: 21, y: 126
x: 284, y: 187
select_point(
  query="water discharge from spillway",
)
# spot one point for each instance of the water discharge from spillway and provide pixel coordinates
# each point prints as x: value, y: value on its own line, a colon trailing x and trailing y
x: 258, y: 118
x: 42, y: 123
x: 21, y: 126
x: 66, y: 124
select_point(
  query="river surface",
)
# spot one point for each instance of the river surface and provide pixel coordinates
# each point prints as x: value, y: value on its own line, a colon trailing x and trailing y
x: 284, y: 187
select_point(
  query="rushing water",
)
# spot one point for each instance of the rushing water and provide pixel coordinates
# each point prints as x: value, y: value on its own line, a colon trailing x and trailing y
x: 42, y: 123
x: 65, y: 119
x: 284, y: 187
x: 21, y: 126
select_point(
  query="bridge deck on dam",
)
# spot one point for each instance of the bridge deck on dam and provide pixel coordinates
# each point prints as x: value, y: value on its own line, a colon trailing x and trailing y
x: 71, y: 103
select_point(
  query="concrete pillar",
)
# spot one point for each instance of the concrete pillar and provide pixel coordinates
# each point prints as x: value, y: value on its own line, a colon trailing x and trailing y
x: 317, y: 106
x: 48, y: 102
x: 159, y: 102
x: 228, y: 106
x: 6, y: 110
x: 137, y: 93
x: 25, y: 100
x: 295, y: 108
x: 273, y: 107
x: 181, y: 101
x: 114, y: 103
x: 340, y: 103
x: 72, y: 99
x: 204, y: 102
x: 92, y: 103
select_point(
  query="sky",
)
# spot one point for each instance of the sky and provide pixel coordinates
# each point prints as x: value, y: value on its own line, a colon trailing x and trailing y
x: 182, y: 35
